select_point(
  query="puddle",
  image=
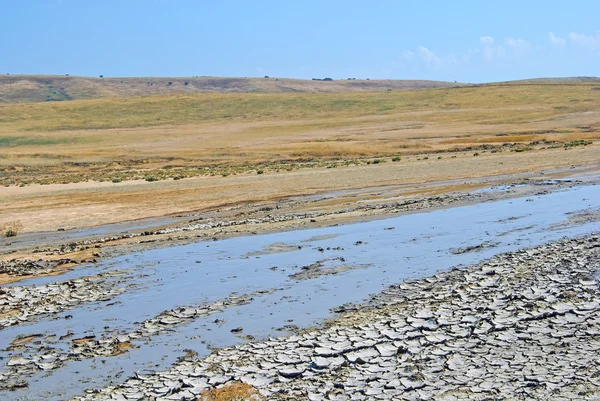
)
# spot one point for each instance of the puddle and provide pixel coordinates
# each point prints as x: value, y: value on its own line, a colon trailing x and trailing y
x: 368, y: 256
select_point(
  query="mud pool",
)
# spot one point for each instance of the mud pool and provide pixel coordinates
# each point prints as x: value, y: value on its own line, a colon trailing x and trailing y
x: 366, y: 257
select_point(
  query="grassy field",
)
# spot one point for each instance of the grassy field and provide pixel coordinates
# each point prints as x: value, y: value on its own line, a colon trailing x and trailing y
x: 178, y: 136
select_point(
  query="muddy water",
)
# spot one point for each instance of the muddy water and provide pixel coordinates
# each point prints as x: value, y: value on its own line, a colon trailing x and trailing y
x: 368, y: 257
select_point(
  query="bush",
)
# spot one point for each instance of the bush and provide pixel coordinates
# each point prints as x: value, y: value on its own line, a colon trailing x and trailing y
x: 475, y: 154
x: 11, y: 228
x: 396, y: 159
x: 149, y: 178
x: 260, y: 172
x: 577, y: 142
x: 116, y: 179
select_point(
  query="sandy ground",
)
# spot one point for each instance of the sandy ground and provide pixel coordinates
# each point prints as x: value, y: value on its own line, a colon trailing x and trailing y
x: 50, y: 207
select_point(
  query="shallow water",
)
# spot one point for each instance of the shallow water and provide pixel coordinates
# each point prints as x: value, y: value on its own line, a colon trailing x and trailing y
x: 395, y: 249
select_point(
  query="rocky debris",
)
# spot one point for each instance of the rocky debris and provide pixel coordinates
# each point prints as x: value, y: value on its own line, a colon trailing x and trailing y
x: 19, y: 304
x: 318, y: 269
x: 20, y: 267
x: 474, y: 248
x: 578, y: 218
x: 523, y: 325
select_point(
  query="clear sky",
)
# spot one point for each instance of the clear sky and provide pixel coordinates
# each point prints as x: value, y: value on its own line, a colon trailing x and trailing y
x: 467, y: 41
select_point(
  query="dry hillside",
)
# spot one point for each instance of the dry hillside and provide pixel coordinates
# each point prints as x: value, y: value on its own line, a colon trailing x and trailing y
x: 41, y: 88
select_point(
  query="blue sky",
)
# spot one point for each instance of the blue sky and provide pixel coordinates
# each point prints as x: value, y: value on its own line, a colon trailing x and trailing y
x: 467, y: 41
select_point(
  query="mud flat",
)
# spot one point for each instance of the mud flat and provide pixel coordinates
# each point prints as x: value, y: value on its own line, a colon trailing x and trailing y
x: 137, y: 314
x: 523, y: 325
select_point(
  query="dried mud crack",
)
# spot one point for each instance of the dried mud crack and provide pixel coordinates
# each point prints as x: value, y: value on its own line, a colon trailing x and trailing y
x: 38, y: 352
x: 521, y: 325
x: 19, y: 304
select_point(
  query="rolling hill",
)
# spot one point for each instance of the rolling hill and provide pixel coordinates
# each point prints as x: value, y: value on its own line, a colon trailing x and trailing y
x: 43, y: 88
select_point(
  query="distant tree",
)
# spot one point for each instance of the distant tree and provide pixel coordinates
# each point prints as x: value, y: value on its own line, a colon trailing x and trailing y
x: 169, y: 83
x: 327, y: 79
x: 186, y: 83
x: 266, y: 76
x: 368, y: 79
x: 101, y: 76
x: 66, y: 75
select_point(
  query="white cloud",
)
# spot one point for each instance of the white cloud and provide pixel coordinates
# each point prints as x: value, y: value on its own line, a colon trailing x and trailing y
x: 518, y: 45
x: 555, y: 40
x: 591, y: 42
x: 434, y: 61
x: 427, y: 55
x: 486, y: 40
x: 407, y: 55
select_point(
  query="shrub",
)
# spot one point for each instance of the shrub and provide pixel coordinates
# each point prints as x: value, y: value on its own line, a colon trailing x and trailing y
x: 116, y: 179
x: 260, y: 172
x: 396, y: 159
x: 232, y: 392
x: 376, y: 161
x: 150, y: 178
x: 577, y: 142
x: 11, y: 228
x: 475, y: 154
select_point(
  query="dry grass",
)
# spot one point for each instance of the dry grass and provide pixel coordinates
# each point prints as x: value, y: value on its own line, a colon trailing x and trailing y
x: 304, y: 143
x: 11, y: 228
x: 177, y: 136
x: 231, y: 392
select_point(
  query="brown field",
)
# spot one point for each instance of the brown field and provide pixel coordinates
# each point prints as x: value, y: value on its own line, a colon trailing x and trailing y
x: 86, y: 162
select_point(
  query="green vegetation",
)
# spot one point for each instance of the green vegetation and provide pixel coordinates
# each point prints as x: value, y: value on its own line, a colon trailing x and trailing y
x: 13, y: 141
x: 578, y: 142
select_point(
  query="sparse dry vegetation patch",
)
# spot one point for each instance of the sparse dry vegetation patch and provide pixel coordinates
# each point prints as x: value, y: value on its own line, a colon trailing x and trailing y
x: 237, y: 391
x: 10, y: 229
